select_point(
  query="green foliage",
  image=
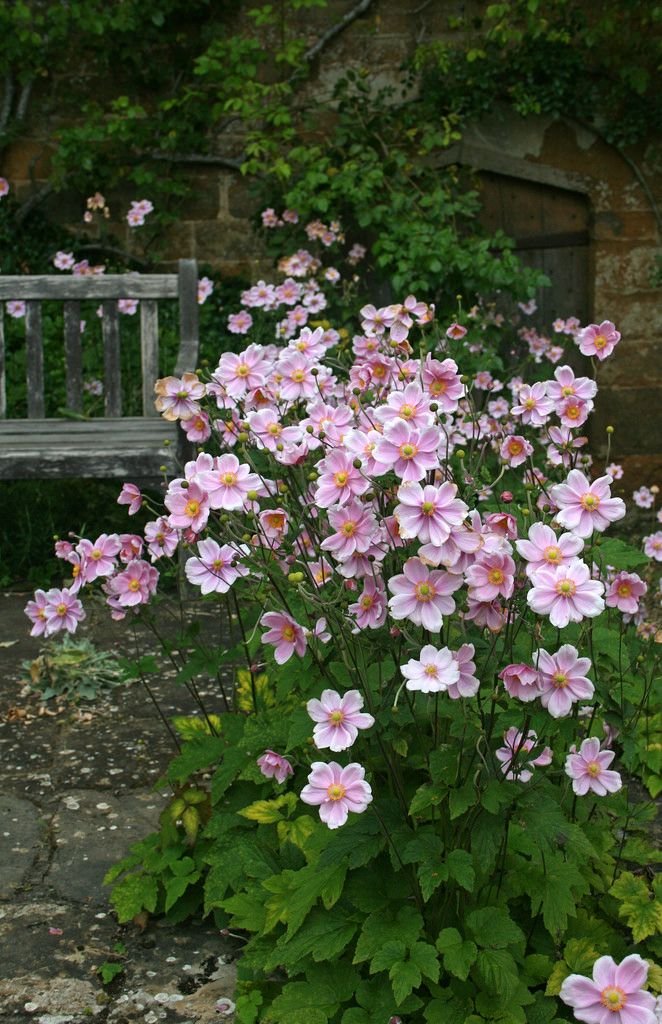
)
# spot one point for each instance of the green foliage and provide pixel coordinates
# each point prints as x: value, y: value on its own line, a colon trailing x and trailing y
x: 70, y: 669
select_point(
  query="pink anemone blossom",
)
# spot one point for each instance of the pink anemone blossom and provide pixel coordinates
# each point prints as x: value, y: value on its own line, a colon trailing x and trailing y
x: 355, y: 530
x: 285, y: 634
x: 338, y: 719
x: 585, y: 506
x: 598, y: 339
x: 99, y: 556
x: 177, y: 399
x: 63, y: 610
x: 433, y: 672
x: 515, y: 450
x: 566, y: 593
x: 130, y: 495
x: 188, y: 506
x: 339, y: 480
x: 614, y: 995
x: 273, y: 766
x: 337, y: 791
x: 161, y: 538
x: 562, y: 679
x: 589, y: 769
x: 544, y: 549
x: 516, y: 764
x: 624, y: 592
x: 370, y: 608
x: 134, y: 585
x: 533, y: 406
x: 468, y: 684
x: 520, y: 681
x: 653, y: 545
x: 429, y: 513
x: 422, y: 595
x: 408, y: 452
x: 229, y: 483
x: 216, y: 569
x: 36, y: 612
x: 492, y: 575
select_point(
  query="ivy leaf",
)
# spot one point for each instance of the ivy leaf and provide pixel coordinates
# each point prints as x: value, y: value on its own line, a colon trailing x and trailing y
x: 641, y: 911
x: 459, y: 954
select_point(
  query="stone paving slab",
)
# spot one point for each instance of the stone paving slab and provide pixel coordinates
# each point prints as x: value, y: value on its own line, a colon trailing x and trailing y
x: 76, y: 790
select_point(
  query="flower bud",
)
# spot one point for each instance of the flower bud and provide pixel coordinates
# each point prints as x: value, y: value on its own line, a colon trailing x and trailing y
x: 295, y: 577
x: 609, y: 429
x: 252, y: 495
x: 461, y: 454
x: 506, y: 497
x: 242, y: 437
x: 357, y: 463
x: 167, y: 442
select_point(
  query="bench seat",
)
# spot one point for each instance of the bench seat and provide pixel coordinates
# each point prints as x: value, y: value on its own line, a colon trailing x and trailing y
x: 127, y: 448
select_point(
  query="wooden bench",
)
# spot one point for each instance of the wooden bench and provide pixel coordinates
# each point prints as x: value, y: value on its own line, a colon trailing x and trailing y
x: 113, y: 446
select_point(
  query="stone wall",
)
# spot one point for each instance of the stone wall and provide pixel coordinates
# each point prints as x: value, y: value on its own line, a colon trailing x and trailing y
x: 624, y: 231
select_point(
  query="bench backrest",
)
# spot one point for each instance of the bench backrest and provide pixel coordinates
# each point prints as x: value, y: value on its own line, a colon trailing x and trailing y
x: 148, y: 288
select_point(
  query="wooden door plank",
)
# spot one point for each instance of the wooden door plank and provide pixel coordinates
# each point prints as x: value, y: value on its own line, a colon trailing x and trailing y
x: 149, y: 353
x: 187, y: 357
x: 105, y: 286
x: 111, y: 360
x: 73, y: 356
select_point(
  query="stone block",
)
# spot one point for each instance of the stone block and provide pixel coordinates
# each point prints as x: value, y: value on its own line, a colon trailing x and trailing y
x: 20, y: 830
x: 636, y: 415
x: 633, y: 315
x: 225, y: 239
x: 625, y: 268
x: 637, y: 363
x: 26, y: 160
x: 240, y: 201
x: 624, y: 225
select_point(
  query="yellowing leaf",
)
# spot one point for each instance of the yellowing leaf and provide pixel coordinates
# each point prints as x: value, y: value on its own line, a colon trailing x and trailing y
x: 267, y: 812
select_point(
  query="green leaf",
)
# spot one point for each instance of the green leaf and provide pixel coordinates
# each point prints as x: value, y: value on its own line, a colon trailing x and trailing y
x: 109, y: 970
x: 234, y: 760
x: 459, y: 955
x: 405, y: 977
x: 268, y: 812
x: 197, y: 754
x: 620, y: 555
x: 425, y: 957
x: 177, y: 886
x: 498, y: 971
x: 389, y: 954
x: 460, y: 867
x: 294, y: 893
x: 303, y: 1002
x: 384, y: 926
x: 248, y: 1007
x: 326, y: 935
x: 494, y: 928
x: 134, y: 894
x: 638, y: 906
x: 556, y: 889
x: 461, y: 800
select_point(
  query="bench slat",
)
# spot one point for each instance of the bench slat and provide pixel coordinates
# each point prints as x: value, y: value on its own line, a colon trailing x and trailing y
x: 104, y: 286
x: 73, y: 356
x: 34, y: 360
x: 187, y: 357
x: 112, y: 367
x: 3, y: 373
x: 149, y: 353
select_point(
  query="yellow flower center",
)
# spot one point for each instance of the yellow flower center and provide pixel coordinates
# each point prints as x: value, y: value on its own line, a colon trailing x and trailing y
x: 297, y: 376
x: 95, y: 554
x: 552, y: 554
x: 406, y: 412
x: 566, y: 588
x: 243, y: 370
x: 217, y: 564
x: 529, y: 403
x: 274, y: 429
x: 613, y: 998
x: 516, y: 447
x: 276, y: 520
x: 336, y: 717
x: 495, y: 576
x: 61, y: 609
x: 229, y: 479
x: 600, y: 342
x: 567, y: 391
x: 572, y: 412
x: 289, y: 634
x: 438, y: 387
x: 624, y: 590
x: 431, y: 670
x: 408, y: 451
x: 134, y: 585
x: 340, y: 478
x: 336, y: 792
x: 560, y: 680
x: 192, y: 508
x: 75, y: 572
x: 427, y: 508
x: 367, y: 602
x: 589, y: 501
x: 593, y: 769
x: 182, y: 394
x: 424, y: 591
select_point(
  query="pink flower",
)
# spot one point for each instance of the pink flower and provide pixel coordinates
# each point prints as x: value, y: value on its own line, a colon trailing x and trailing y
x: 534, y: 406
x: 544, y: 549
x: 229, y: 483
x: 624, y: 592
x: 297, y: 380
x: 178, y: 398
x: 408, y: 452
x: 205, y: 288
x: 216, y: 569
x: 566, y: 593
x: 273, y: 766
x: 598, y: 339
x: 4, y: 187
x: 585, y: 506
x: 238, y: 374
x: 339, y: 480
x: 514, y: 765
x: 63, y: 260
x: 188, y: 506
x: 653, y: 545
x: 566, y: 385
x: 63, y: 610
x: 36, y: 612
x: 562, y: 679
x: 161, y: 538
x: 442, y: 382
x: 515, y: 450
x: 410, y: 405
x: 274, y: 523
x: 422, y: 595
x: 197, y: 427
x: 468, y: 684
x: 589, y: 770
x: 99, y: 557
x: 455, y: 331
x: 355, y: 527
x: 615, y: 471
x: 643, y: 497
x: 285, y: 634
x: 132, y: 496
x: 435, y: 670
x: 15, y: 308
x: 520, y: 681
x: 492, y: 575
x: 135, y: 585
x: 337, y: 791
x: 338, y: 719
x: 486, y: 614
x: 370, y: 609
x: 614, y: 996
x: 269, y: 431
x: 429, y: 513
